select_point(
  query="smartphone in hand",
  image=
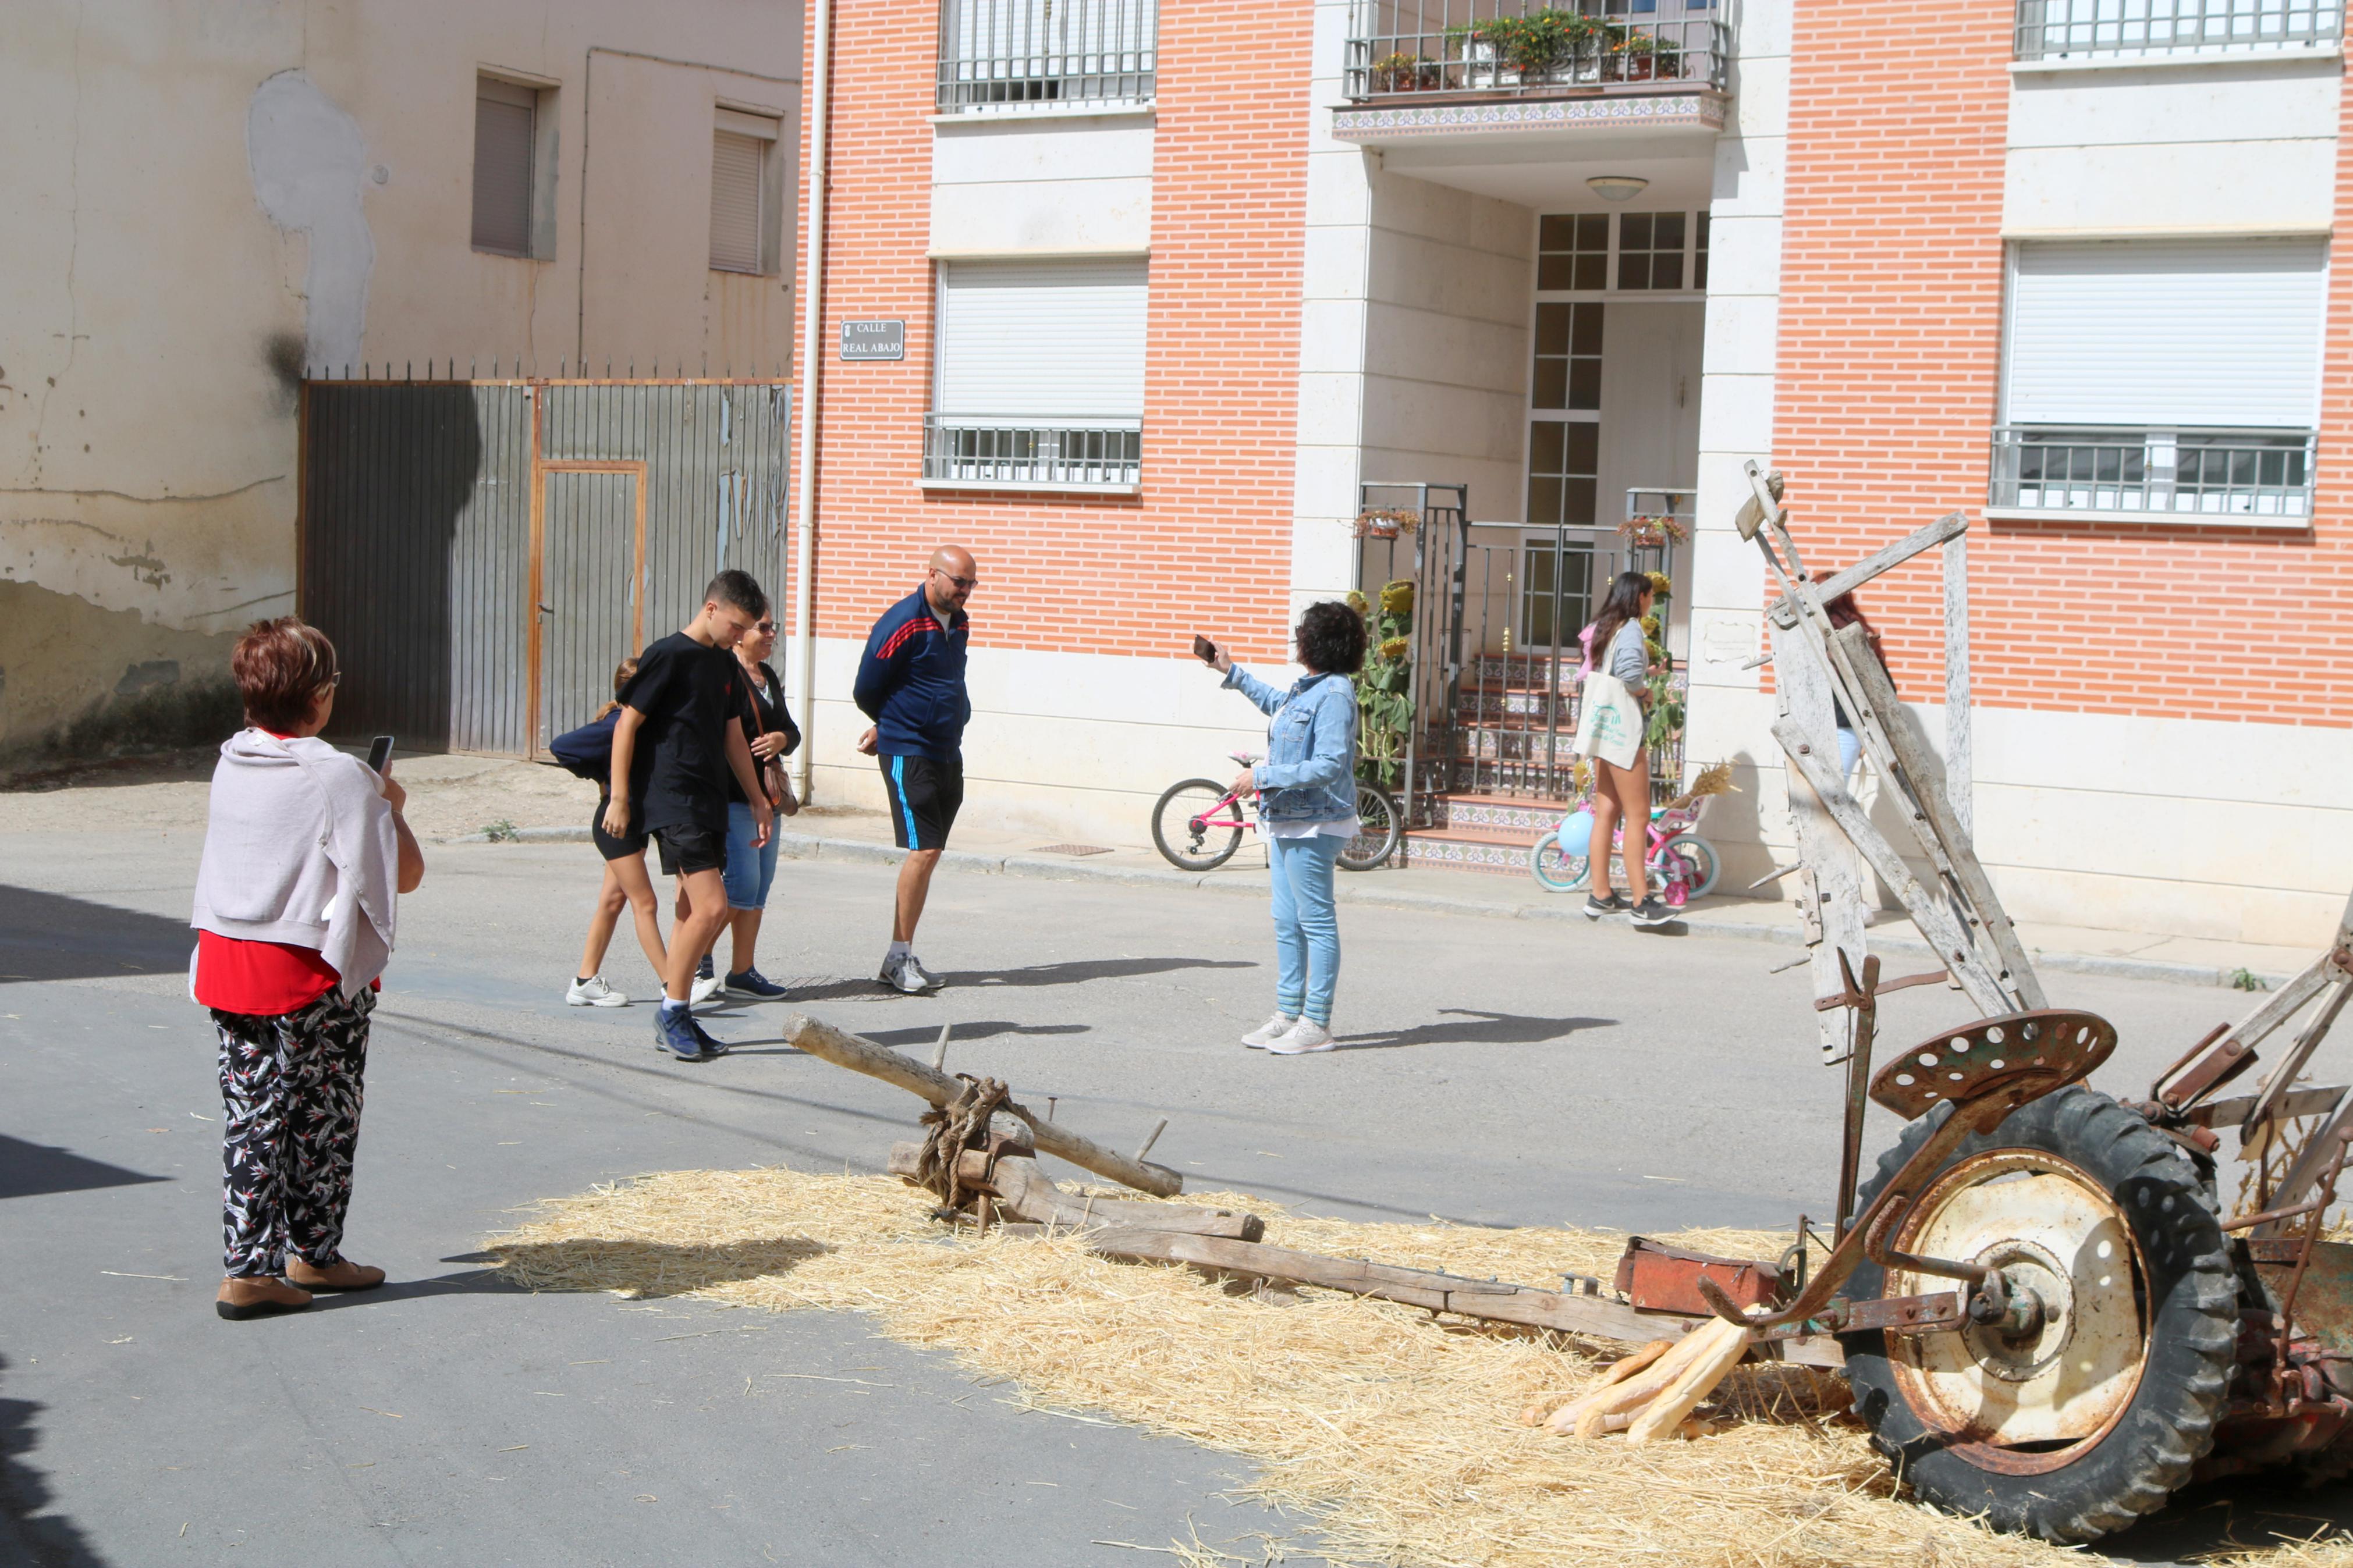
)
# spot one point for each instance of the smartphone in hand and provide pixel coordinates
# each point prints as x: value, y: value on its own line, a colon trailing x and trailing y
x: 379, y: 753
x: 1204, y: 649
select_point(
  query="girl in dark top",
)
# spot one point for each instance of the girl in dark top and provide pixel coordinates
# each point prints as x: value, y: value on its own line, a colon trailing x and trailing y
x: 751, y: 871
x: 1622, y: 795
x: 627, y: 886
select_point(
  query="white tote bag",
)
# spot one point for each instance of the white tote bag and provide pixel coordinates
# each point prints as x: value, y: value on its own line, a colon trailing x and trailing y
x: 1609, y: 724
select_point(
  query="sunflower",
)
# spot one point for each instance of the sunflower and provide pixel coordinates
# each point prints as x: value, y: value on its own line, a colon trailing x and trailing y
x: 1395, y: 649
x: 1358, y: 602
x: 1397, y: 599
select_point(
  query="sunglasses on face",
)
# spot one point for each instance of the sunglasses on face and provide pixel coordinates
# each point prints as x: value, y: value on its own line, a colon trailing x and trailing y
x: 963, y: 584
x: 765, y: 628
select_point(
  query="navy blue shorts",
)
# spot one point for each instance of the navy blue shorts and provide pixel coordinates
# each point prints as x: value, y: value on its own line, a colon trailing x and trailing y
x: 924, y: 797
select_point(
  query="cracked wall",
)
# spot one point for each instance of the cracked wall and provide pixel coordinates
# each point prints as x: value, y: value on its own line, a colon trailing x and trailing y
x: 200, y: 199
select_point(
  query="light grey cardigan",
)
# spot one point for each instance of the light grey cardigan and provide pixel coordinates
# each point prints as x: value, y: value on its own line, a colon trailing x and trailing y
x: 299, y: 848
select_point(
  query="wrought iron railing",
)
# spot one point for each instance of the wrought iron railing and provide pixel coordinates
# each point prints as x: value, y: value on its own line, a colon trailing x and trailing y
x: 2182, y: 473
x: 1523, y: 48
x: 2067, y: 29
x: 1094, y: 454
x: 1000, y: 53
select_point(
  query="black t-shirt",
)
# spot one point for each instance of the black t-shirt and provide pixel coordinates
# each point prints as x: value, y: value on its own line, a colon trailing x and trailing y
x: 689, y: 695
x: 764, y: 711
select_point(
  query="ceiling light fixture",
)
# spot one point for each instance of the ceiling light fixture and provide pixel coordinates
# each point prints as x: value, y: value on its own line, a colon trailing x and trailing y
x: 1616, y: 187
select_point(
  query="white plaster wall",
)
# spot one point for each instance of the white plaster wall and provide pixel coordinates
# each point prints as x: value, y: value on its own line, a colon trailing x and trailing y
x: 2215, y: 144
x: 1116, y: 731
x: 1726, y: 576
x: 1063, y: 185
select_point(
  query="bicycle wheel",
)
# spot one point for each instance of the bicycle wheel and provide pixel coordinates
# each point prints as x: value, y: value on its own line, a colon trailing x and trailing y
x: 1699, y: 855
x: 1181, y: 833
x: 1377, y: 809
x: 1553, y: 871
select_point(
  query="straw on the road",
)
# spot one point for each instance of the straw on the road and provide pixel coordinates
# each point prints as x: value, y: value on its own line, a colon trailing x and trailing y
x: 1395, y: 1432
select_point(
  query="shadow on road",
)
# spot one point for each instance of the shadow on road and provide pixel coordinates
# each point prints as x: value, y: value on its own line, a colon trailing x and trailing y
x: 2245, y: 1513
x: 979, y: 1029
x: 27, y: 1535
x: 1078, y: 972
x: 28, y: 1169
x: 1475, y: 1027
x: 47, y: 936
x: 472, y: 1282
x: 646, y: 1270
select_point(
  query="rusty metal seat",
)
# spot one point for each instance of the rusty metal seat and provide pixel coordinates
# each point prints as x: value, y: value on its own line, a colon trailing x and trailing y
x: 2039, y: 1051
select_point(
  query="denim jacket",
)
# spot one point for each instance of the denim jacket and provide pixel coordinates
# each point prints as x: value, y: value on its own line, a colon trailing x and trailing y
x: 1309, y: 774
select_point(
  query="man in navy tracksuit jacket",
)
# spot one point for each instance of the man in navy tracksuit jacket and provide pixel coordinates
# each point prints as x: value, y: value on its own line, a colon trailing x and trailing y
x: 911, y: 683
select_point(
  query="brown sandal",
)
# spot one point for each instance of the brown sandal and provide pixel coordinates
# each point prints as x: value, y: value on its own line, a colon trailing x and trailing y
x: 258, y: 1297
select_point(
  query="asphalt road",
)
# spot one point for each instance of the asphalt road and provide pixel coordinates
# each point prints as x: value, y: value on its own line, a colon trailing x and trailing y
x: 1495, y: 1072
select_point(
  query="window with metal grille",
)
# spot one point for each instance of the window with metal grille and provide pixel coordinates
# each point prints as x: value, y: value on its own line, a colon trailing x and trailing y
x: 1004, y: 52
x: 740, y: 148
x: 506, y: 137
x: 2176, y: 377
x: 1650, y: 250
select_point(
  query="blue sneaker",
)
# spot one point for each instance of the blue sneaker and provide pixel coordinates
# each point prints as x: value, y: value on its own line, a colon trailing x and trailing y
x: 710, y: 1045
x: 752, y: 983
x: 675, y: 1033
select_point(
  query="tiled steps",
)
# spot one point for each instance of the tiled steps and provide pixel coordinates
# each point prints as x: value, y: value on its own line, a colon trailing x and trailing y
x: 1482, y: 833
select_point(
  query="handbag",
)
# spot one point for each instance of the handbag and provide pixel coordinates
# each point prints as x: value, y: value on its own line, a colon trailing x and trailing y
x: 1609, y: 721
x: 773, y: 783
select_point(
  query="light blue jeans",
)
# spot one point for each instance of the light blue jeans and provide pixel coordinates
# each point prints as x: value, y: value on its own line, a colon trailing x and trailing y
x: 750, y: 872
x: 1306, y: 931
x: 1850, y: 748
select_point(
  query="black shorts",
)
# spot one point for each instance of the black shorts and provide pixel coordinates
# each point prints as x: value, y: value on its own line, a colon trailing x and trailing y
x: 610, y: 848
x: 686, y: 849
x: 924, y: 797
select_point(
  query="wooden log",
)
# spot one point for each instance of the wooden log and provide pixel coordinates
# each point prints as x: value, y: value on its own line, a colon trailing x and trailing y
x: 1624, y: 1367
x: 1589, y: 1417
x: 860, y: 1054
x: 1831, y: 895
x: 1728, y: 1343
x: 1945, y: 530
x: 1025, y: 1193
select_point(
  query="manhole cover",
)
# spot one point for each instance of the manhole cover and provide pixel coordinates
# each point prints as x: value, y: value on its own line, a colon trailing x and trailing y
x: 1071, y: 849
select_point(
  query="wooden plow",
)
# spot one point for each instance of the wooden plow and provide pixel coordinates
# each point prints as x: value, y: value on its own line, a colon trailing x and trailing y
x: 2037, y: 1278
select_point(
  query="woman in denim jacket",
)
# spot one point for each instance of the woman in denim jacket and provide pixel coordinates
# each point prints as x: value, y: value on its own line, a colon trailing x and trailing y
x: 1307, y: 811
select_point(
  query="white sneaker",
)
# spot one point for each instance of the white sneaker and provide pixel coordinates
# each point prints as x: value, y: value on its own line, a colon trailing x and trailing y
x: 900, y: 974
x: 1273, y: 1029
x: 1301, y: 1039
x: 594, y: 993
x: 704, y: 988
x: 931, y: 981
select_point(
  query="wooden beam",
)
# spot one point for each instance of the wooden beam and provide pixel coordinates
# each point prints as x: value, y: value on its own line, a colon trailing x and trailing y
x: 1783, y: 611
x: 1960, y: 749
x: 860, y: 1054
x: 1937, y: 922
x: 1831, y: 894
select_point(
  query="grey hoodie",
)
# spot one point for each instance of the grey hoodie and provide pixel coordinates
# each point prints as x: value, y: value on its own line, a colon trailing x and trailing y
x: 299, y: 848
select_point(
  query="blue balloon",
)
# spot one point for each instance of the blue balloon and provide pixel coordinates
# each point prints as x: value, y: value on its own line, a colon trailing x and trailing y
x: 1576, y: 833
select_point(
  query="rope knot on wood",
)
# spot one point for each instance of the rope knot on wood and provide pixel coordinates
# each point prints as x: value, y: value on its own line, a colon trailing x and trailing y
x: 962, y: 1123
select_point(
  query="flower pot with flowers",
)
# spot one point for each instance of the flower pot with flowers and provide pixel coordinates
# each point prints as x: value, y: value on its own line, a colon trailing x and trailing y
x: 1384, y: 684
x: 1653, y: 532
x: 1386, y: 523
x: 1402, y: 72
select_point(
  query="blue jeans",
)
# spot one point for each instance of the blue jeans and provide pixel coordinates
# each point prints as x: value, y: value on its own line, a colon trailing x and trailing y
x: 1850, y: 748
x: 1306, y: 931
x: 750, y: 872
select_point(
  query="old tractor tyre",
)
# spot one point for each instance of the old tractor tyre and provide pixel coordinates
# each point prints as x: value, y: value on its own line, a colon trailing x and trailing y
x: 2080, y: 1426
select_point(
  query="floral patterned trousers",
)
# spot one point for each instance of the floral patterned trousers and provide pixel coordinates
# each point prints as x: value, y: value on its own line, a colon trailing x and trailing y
x: 291, y: 1091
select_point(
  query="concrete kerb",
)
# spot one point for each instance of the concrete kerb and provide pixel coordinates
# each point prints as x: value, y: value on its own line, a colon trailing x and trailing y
x: 1354, y: 891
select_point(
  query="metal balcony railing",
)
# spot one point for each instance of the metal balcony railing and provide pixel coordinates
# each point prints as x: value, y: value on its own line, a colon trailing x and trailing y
x: 998, y: 54
x: 2069, y: 29
x: 2185, y: 474
x: 1056, y: 454
x: 1524, y: 48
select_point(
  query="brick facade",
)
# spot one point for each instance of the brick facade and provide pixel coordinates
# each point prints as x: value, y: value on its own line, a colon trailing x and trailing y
x: 1207, y: 543
x: 1887, y: 392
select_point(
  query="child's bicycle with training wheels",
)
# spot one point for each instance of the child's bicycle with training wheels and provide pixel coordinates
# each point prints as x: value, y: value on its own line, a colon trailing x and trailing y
x: 1198, y: 824
x: 1681, y: 863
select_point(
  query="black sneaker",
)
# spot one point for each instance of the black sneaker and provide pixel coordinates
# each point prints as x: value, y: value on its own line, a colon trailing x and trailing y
x: 675, y: 1033
x: 1615, y: 904
x: 703, y: 971
x: 712, y: 1045
x: 1651, y: 913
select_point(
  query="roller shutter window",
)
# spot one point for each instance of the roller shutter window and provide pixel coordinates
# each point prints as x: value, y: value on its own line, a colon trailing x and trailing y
x: 2184, y: 334
x: 505, y: 132
x: 739, y: 152
x: 1041, y: 342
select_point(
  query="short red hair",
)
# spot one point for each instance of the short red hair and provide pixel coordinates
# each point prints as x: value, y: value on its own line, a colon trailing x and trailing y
x: 281, y: 666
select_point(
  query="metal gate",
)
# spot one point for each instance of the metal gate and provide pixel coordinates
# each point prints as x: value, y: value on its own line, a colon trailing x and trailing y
x: 1498, y: 610
x: 484, y: 553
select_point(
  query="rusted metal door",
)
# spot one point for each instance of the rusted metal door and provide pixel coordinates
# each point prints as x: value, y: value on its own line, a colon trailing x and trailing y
x: 587, y: 591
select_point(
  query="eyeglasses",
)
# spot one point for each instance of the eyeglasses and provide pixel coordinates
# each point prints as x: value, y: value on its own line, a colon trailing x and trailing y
x: 965, y: 583
x: 765, y: 628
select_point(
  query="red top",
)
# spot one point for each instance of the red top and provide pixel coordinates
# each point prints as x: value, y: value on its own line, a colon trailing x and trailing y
x: 260, y: 978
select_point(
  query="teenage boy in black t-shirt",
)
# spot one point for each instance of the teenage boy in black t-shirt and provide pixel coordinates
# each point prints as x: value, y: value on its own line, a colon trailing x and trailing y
x: 683, y: 705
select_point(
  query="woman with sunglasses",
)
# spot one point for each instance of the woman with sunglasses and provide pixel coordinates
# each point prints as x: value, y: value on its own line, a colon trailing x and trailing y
x: 750, y: 872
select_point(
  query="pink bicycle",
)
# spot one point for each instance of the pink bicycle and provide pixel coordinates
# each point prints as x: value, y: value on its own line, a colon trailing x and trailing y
x: 1681, y: 864
x: 1198, y: 824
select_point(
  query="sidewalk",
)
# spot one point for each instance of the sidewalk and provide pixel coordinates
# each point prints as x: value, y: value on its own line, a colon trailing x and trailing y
x: 2139, y: 955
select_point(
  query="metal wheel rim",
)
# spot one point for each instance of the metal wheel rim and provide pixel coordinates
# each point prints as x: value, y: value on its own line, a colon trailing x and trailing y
x: 2075, y: 1400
